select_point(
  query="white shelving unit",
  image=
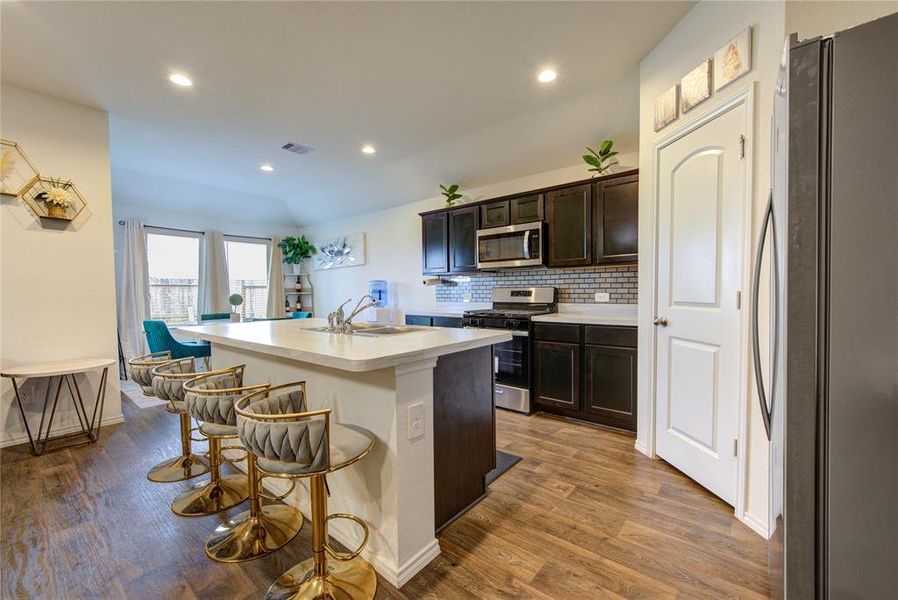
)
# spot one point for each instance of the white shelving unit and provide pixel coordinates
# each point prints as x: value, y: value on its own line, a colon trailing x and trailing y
x: 302, y: 299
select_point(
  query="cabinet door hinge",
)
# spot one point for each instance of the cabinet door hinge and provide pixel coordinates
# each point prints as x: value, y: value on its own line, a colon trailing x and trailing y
x: 741, y: 146
x: 738, y: 299
x: 735, y: 447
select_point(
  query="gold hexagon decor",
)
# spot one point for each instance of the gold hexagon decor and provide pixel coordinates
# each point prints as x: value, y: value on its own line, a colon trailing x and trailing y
x: 56, y: 199
x: 17, y: 173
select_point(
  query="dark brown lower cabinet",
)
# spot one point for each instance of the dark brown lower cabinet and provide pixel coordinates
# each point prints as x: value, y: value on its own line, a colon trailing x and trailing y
x: 586, y: 372
x: 557, y: 374
x: 609, y: 385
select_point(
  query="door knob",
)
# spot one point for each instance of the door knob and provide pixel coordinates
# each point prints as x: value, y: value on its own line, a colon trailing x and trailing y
x: 659, y: 321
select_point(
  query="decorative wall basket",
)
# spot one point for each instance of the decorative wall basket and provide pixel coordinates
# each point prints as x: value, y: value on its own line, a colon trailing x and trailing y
x: 17, y: 173
x: 56, y: 199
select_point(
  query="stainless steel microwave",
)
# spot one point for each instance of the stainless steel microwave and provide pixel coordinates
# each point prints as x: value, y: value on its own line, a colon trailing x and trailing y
x: 512, y: 246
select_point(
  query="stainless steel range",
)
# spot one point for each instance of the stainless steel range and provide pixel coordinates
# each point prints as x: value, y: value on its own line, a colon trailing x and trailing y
x: 512, y: 309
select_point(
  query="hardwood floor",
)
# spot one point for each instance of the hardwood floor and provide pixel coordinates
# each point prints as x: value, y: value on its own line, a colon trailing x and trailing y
x: 584, y: 515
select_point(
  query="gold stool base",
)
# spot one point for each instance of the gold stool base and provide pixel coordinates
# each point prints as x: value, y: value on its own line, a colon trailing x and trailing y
x: 346, y: 580
x: 246, y: 537
x: 207, y: 498
x: 179, y: 469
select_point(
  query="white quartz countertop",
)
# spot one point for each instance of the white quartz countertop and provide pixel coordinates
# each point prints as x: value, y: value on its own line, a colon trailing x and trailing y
x: 290, y: 339
x: 590, y: 314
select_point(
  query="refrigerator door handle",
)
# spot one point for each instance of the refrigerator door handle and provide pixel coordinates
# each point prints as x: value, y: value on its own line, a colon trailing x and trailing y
x: 766, y: 410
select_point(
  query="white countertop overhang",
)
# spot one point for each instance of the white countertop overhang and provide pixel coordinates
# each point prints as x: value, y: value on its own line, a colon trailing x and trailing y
x: 291, y: 339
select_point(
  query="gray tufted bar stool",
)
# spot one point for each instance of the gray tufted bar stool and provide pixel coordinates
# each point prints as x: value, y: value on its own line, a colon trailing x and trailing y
x: 290, y: 442
x: 141, y: 369
x: 209, y: 398
x: 145, y: 370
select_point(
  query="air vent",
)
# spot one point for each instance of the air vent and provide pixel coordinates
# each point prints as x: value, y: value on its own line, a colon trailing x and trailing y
x: 296, y: 148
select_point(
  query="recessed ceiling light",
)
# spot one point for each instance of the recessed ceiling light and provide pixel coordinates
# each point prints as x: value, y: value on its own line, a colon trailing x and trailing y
x: 266, y: 167
x: 369, y: 149
x: 180, y: 79
x: 547, y: 76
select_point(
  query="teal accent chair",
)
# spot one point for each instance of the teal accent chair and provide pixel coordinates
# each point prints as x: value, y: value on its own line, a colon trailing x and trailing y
x: 215, y: 317
x: 301, y: 314
x: 159, y: 339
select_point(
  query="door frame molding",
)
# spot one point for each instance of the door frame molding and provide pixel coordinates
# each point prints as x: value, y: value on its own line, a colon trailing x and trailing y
x: 648, y: 407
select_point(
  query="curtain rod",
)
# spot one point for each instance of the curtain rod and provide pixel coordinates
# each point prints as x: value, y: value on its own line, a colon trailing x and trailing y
x: 249, y: 237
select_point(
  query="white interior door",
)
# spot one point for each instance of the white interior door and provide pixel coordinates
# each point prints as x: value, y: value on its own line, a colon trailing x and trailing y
x: 701, y: 201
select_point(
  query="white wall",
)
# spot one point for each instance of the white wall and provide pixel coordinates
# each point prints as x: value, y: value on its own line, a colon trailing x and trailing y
x: 57, y: 298
x: 707, y: 27
x: 394, y: 241
x: 810, y: 19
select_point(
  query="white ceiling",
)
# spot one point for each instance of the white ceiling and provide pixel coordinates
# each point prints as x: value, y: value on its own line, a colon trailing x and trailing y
x: 446, y: 91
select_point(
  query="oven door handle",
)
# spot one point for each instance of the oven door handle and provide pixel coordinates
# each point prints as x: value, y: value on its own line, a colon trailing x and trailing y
x: 527, y: 244
x: 520, y: 333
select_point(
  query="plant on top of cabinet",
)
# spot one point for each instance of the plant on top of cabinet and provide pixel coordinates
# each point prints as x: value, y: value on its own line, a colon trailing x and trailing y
x: 597, y: 160
x: 296, y: 250
x: 450, y: 193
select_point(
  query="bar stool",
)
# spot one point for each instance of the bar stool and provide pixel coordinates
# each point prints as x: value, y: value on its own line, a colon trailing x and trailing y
x: 291, y: 442
x: 167, y: 379
x: 209, y: 398
x: 140, y: 367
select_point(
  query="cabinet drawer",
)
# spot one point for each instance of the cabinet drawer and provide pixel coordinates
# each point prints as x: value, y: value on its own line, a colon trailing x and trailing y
x: 557, y: 332
x: 447, y: 322
x: 418, y: 320
x: 611, y: 335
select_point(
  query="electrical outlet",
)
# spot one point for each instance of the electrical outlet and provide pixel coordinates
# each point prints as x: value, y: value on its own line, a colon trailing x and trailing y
x: 602, y: 297
x: 466, y: 296
x: 415, y: 420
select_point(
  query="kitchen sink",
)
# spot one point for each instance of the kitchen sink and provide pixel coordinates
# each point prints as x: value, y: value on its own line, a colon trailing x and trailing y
x: 374, y: 329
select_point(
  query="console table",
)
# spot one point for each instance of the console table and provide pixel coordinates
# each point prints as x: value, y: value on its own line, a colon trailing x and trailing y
x: 64, y: 372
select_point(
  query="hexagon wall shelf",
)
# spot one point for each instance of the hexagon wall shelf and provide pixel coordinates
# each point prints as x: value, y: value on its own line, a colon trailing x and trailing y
x: 17, y: 173
x: 35, y: 198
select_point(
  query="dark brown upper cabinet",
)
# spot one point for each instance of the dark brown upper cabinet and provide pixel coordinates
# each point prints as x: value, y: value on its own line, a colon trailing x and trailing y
x: 616, y: 220
x: 494, y: 214
x: 526, y: 209
x: 569, y: 218
x: 435, y: 233
x: 463, y: 225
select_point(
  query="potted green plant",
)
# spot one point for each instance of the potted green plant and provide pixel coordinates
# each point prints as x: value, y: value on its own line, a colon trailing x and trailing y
x: 600, y: 161
x: 235, y: 300
x: 450, y: 193
x: 296, y: 250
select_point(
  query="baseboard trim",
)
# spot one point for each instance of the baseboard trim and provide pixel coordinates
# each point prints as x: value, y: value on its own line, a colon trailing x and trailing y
x: 23, y: 438
x: 755, y: 525
x: 642, y: 448
x: 347, y: 534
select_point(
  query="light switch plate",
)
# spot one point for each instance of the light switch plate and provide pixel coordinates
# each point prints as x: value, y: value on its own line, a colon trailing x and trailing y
x: 415, y: 420
x: 602, y: 297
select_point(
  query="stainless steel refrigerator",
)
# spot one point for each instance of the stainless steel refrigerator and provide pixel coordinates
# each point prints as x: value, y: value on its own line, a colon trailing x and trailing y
x: 829, y: 381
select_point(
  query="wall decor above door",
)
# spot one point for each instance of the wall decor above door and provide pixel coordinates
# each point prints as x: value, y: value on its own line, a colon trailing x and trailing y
x: 695, y: 86
x: 733, y: 60
x: 666, y: 108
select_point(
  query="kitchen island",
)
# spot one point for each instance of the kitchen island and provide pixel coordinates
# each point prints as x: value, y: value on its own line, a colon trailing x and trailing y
x: 426, y: 393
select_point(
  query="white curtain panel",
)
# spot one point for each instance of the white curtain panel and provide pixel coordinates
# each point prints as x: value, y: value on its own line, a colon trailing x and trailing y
x: 275, y: 306
x: 214, y: 290
x: 134, y: 291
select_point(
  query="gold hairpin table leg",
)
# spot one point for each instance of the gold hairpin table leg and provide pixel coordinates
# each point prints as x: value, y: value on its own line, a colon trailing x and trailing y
x: 320, y: 579
x: 256, y: 532
x: 217, y: 494
x: 186, y: 466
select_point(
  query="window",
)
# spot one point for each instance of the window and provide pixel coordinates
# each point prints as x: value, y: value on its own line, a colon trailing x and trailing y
x: 248, y: 275
x: 174, y: 265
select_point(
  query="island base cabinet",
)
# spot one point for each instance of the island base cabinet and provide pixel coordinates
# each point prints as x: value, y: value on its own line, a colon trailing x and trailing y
x: 586, y: 373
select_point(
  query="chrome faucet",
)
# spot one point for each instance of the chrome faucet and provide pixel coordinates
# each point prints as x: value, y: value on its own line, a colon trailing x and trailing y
x: 336, y: 318
x: 347, y: 323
